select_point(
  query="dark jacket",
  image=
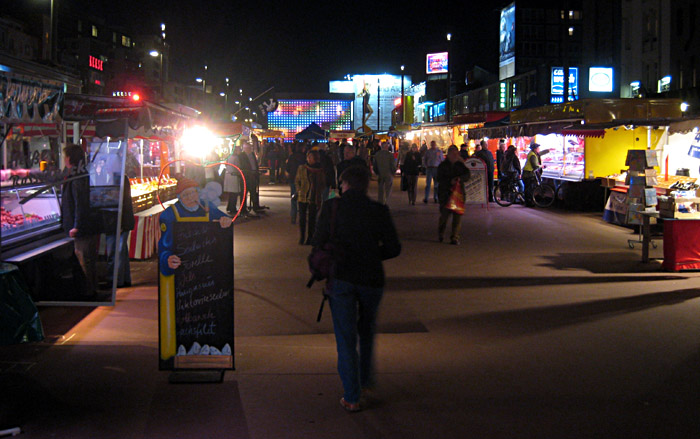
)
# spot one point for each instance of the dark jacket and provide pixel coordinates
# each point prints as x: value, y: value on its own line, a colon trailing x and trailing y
x: 500, y: 166
x: 364, y: 237
x: 445, y: 173
x: 487, y: 157
x: 128, y: 222
x: 293, y: 162
x: 75, y: 205
x: 411, y: 163
x: 511, y: 158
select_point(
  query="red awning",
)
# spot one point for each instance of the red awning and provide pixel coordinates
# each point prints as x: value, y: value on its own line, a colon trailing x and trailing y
x: 35, y: 129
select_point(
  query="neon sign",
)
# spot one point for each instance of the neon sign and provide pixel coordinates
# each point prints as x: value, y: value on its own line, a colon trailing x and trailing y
x: 96, y: 63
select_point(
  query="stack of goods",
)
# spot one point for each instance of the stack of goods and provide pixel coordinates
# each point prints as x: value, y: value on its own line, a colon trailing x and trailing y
x: 641, y: 178
x: 682, y: 202
x: 144, y: 192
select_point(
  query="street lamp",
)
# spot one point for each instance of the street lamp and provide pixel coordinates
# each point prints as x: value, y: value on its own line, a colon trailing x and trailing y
x: 52, y: 35
x: 403, y: 111
x: 155, y: 53
x: 448, y: 108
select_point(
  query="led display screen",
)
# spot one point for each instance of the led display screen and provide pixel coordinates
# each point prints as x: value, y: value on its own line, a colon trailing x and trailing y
x: 436, y: 63
x: 292, y: 116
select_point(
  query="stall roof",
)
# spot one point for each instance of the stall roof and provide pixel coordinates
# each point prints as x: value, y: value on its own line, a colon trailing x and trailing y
x: 144, y: 119
x: 684, y: 126
x: 599, y: 111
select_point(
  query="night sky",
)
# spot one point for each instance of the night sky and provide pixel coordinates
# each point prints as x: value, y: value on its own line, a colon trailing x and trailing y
x: 300, y: 46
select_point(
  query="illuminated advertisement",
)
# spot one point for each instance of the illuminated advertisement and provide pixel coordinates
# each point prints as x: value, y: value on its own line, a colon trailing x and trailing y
x: 436, y: 63
x: 292, y: 116
x: 506, y: 50
x: 374, y: 97
x: 557, y: 85
x: 600, y: 79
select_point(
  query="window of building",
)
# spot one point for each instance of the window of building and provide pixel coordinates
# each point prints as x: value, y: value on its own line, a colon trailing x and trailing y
x: 571, y: 31
x: 94, y: 31
x: 114, y: 37
x: 126, y: 41
x: 80, y: 26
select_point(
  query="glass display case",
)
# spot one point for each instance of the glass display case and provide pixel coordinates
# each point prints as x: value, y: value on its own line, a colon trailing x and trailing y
x: 565, y: 159
x: 28, y: 213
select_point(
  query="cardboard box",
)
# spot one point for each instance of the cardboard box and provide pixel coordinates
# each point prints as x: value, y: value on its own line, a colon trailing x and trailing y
x: 652, y: 158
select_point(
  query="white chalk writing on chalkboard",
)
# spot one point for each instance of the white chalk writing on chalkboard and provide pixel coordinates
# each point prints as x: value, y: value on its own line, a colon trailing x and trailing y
x: 191, y: 303
x: 198, y: 329
x: 183, y: 250
x: 200, y: 259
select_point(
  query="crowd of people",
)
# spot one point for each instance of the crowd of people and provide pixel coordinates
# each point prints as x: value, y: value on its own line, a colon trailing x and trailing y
x: 313, y: 169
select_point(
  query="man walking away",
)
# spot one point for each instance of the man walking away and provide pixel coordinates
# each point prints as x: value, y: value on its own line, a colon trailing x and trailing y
x: 363, y: 235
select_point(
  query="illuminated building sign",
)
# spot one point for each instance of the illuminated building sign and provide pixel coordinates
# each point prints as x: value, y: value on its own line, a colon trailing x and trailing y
x: 557, y: 85
x: 436, y: 63
x: 600, y: 79
x: 96, y: 63
x: 504, y: 92
x: 292, y: 116
x: 664, y: 84
x: 506, y: 50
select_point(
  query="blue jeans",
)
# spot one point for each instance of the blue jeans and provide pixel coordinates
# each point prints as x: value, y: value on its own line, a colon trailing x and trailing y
x: 430, y: 175
x: 354, y: 310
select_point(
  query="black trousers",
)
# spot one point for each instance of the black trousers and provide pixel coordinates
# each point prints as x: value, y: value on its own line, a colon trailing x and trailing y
x: 307, y: 221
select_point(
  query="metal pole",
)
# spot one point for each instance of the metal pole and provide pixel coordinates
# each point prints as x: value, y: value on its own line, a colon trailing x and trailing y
x: 379, y: 111
x: 403, y: 110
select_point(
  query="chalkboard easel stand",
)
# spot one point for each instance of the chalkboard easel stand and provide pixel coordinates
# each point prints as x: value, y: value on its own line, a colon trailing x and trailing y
x: 196, y: 376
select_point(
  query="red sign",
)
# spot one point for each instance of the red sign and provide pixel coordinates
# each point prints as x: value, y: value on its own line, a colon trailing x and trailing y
x: 96, y: 63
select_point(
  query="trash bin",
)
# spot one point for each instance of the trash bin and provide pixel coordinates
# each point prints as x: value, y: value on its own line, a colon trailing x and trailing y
x: 19, y: 318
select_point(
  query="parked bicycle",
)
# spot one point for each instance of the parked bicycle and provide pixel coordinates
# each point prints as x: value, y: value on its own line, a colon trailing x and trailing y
x: 507, y: 192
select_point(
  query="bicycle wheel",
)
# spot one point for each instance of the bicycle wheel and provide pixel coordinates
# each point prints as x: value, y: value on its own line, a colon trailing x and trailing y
x: 543, y: 195
x: 502, y: 196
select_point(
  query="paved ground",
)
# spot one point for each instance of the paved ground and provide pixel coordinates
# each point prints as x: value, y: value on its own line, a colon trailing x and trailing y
x: 542, y: 324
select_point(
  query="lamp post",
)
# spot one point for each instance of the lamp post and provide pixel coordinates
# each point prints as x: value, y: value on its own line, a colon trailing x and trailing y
x: 448, y: 109
x: 52, y: 36
x: 403, y: 110
x: 155, y: 53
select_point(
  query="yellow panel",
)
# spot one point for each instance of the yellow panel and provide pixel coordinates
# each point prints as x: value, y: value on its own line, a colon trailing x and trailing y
x: 607, y: 156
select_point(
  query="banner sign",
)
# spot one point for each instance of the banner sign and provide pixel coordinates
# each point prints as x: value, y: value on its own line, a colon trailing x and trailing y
x: 476, y: 189
x: 694, y: 150
x: 24, y: 100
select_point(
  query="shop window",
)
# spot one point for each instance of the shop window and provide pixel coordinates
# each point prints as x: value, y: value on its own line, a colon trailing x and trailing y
x: 94, y: 31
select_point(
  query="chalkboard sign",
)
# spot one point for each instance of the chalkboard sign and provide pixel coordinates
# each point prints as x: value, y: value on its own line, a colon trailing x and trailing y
x: 203, y: 296
x: 476, y: 189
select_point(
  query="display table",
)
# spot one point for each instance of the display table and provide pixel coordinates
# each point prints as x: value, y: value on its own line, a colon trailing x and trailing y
x: 681, y: 244
x: 681, y: 241
x: 143, y: 240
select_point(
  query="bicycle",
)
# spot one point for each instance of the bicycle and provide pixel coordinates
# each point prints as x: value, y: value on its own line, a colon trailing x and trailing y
x: 507, y: 192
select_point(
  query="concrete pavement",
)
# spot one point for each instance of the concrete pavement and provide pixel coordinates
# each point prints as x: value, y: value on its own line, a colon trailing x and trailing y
x: 542, y: 324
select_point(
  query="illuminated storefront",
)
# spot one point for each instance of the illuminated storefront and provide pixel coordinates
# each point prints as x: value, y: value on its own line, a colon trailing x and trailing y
x: 293, y: 115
